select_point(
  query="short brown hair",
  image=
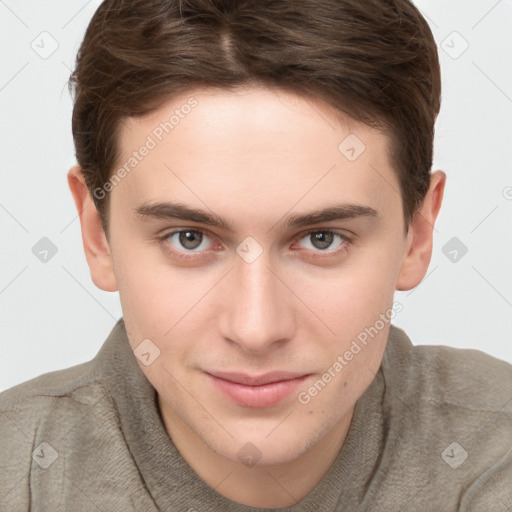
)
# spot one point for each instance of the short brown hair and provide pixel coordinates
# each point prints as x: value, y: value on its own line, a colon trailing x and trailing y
x: 373, y: 60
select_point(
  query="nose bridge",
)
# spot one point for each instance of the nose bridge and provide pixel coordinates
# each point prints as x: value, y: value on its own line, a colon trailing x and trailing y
x: 257, y: 313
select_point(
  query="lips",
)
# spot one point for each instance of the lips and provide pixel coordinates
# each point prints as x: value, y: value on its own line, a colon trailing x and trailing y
x: 259, y: 380
x: 263, y: 390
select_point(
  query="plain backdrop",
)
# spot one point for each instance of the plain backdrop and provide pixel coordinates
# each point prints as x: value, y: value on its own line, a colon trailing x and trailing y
x: 51, y: 314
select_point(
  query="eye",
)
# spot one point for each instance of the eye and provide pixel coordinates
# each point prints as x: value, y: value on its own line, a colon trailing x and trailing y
x: 184, y: 243
x: 192, y: 240
x: 322, y: 240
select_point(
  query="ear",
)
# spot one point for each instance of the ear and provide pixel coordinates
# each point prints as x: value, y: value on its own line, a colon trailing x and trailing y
x: 96, y: 246
x: 418, y: 249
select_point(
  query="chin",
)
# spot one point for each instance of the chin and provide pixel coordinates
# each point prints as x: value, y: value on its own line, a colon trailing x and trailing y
x: 263, y: 449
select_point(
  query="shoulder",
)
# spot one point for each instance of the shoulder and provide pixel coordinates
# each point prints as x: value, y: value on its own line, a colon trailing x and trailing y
x: 80, y: 384
x: 449, y: 420
x: 52, y: 400
x: 62, y: 438
x: 32, y: 416
x: 464, y: 378
x: 37, y: 393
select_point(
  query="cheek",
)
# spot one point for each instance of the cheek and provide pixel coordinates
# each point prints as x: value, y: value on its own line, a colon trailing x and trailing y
x: 356, y: 304
x: 149, y: 288
x: 142, y: 291
x: 354, y: 296
x: 167, y: 305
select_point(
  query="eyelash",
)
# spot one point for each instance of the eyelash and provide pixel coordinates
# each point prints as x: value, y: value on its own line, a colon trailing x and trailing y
x: 346, y: 242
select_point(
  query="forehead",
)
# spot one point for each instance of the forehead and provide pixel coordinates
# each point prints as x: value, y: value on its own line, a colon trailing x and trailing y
x: 249, y: 116
x: 252, y: 144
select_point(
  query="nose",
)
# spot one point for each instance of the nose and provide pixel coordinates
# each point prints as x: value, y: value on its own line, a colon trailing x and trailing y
x: 258, y: 307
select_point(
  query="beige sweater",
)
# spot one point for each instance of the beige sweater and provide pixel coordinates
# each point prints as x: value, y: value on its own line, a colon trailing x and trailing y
x: 432, y: 432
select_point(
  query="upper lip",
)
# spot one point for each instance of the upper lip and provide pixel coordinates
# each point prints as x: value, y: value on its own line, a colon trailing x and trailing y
x: 257, y: 380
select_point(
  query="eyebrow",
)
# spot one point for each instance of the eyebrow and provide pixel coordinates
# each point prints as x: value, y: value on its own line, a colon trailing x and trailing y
x: 168, y: 210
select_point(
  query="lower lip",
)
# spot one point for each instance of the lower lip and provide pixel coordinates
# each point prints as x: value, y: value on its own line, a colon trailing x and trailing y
x: 265, y: 395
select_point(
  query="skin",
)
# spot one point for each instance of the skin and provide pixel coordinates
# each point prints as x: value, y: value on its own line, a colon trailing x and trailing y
x: 255, y: 157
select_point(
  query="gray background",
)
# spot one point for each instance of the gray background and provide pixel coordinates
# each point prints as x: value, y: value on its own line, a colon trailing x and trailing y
x: 51, y: 314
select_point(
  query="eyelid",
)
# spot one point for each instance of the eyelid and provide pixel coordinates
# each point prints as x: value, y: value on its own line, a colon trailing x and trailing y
x: 341, y: 232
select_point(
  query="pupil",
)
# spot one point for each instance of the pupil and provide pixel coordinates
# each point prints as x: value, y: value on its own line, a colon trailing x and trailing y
x: 187, y: 239
x: 323, y: 238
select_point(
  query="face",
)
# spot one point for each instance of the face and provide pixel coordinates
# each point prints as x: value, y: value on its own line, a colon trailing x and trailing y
x: 251, y: 301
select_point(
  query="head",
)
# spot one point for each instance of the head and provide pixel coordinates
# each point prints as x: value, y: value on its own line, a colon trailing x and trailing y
x: 208, y: 136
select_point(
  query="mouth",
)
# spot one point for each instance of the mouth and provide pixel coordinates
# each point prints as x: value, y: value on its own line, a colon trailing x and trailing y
x: 256, y: 391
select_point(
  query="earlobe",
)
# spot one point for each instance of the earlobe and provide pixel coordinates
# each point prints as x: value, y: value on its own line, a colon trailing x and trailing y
x: 418, y: 247
x: 95, y: 243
